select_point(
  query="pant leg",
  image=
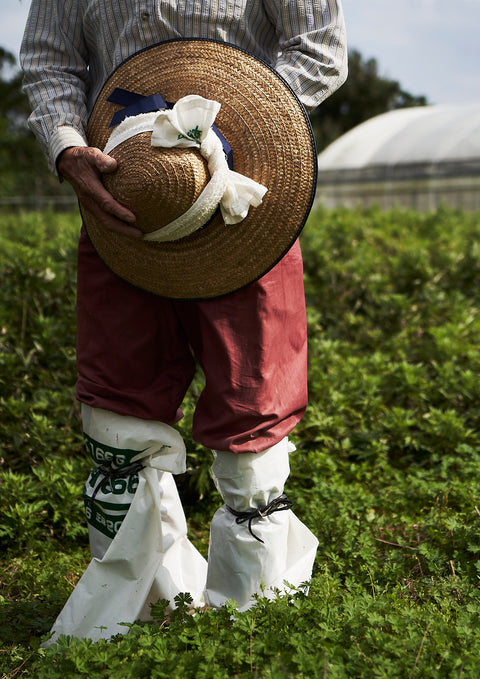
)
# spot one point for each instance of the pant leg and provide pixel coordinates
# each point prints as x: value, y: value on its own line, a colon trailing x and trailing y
x: 252, y: 346
x: 132, y: 354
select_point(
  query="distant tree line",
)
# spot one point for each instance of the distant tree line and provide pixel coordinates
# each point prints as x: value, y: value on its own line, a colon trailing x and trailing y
x: 364, y: 95
x: 23, y: 168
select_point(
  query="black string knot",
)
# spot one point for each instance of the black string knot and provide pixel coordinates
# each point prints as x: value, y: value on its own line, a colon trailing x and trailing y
x: 279, y: 504
x: 108, y: 474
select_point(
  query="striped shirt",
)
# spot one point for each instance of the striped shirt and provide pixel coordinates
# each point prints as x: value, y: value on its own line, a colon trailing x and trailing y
x: 70, y: 47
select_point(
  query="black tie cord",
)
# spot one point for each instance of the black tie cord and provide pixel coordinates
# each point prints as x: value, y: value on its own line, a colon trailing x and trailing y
x: 280, y: 504
x: 109, y: 474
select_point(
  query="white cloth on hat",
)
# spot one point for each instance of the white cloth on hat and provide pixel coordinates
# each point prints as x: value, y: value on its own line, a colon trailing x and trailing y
x: 239, y: 566
x: 189, y: 125
x: 186, y: 124
x: 150, y: 557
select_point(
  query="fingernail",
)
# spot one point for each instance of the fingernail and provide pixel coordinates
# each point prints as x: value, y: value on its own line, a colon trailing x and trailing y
x: 109, y: 163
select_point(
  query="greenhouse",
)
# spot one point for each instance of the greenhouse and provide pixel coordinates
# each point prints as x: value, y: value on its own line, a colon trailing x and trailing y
x: 418, y: 157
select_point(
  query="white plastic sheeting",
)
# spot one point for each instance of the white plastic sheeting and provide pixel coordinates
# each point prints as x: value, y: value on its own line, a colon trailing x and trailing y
x: 281, y: 555
x: 138, y: 533
x: 416, y: 157
x: 423, y: 134
x: 150, y: 556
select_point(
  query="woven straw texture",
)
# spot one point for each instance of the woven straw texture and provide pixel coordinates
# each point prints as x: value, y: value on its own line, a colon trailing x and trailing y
x: 157, y: 185
x: 271, y: 139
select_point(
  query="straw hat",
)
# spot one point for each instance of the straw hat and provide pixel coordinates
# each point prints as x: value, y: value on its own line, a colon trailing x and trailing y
x: 175, y: 191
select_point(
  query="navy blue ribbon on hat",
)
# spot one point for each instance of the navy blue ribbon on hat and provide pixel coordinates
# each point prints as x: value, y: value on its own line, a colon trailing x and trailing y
x: 134, y: 103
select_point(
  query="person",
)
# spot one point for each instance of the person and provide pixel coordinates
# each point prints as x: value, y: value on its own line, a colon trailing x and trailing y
x: 137, y: 351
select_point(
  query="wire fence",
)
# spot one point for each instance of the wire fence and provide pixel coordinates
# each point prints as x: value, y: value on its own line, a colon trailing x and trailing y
x: 36, y: 202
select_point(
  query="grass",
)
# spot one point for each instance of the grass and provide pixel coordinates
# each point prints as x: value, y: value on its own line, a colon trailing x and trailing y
x: 386, y: 471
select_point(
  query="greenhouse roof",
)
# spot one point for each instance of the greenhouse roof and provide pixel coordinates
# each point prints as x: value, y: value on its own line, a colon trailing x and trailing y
x: 423, y: 134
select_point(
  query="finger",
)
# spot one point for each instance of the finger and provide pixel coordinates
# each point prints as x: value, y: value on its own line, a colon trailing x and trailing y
x: 82, y: 167
x: 103, y: 162
x: 109, y: 221
x: 91, y: 190
x: 89, y: 187
x: 107, y: 203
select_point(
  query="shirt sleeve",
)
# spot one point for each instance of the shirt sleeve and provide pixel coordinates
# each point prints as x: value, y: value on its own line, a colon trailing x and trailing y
x: 313, y: 49
x: 53, y: 57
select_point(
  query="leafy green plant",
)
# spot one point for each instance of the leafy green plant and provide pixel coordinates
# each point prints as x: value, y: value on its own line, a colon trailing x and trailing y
x: 386, y: 469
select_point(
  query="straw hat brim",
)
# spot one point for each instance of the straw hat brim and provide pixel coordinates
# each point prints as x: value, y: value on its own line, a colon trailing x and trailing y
x: 272, y: 143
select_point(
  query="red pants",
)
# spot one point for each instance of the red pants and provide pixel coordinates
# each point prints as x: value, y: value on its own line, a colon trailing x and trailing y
x: 136, y: 353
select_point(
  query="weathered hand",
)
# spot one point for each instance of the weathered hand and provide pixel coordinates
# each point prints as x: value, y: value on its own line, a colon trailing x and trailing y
x: 82, y: 168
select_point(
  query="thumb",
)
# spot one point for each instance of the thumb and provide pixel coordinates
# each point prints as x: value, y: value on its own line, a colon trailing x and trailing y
x: 103, y: 162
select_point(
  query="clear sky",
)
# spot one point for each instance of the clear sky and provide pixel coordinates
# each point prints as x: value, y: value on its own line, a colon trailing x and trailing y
x: 432, y: 47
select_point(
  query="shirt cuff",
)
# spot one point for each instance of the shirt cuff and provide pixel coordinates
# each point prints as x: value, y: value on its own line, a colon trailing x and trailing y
x: 63, y: 138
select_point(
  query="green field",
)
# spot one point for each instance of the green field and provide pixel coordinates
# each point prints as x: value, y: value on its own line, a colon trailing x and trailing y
x: 386, y: 473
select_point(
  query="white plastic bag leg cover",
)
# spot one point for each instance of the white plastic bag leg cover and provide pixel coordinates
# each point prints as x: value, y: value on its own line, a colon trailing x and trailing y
x: 239, y: 565
x: 150, y: 556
